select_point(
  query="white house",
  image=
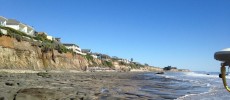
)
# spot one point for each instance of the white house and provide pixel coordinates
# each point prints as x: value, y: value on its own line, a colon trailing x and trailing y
x: 74, y: 47
x: 3, y: 21
x: 125, y: 61
x: 13, y: 24
x: 49, y: 37
x: 20, y: 26
x: 30, y: 31
x: 88, y: 51
x: 94, y: 55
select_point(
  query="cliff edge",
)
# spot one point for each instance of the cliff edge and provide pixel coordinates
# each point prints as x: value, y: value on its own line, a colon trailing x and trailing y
x: 24, y: 55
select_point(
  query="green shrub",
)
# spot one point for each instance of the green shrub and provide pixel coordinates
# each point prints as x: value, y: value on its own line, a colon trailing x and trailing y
x: 18, y: 37
x: 122, y: 63
x: 46, y: 46
x: 61, y: 48
x: 12, y: 31
x: 10, y: 34
x: 135, y: 66
x: 1, y: 34
x: 107, y: 64
x: 35, y: 43
x: 41, y: 37
x: 89, y: 57
x: 26, y: 39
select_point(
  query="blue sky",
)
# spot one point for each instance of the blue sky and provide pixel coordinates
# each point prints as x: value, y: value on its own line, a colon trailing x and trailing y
x: 181, y: 33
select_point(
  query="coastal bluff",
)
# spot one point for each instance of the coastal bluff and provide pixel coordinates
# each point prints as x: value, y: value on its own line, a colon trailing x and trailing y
x: 24, y: 55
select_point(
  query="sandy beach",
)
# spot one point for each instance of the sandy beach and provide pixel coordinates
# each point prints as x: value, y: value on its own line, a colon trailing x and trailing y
x: 71, y: 86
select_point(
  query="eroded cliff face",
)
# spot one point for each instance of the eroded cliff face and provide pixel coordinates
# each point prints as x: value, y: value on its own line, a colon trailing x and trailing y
x: 22, y: 55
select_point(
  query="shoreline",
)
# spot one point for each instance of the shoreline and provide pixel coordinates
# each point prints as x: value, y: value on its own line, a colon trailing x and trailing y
x: 69, y: 86
x: 72, y: 71
x: 79, y: 85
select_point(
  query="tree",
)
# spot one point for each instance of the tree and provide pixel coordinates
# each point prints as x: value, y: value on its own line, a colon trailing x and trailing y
x: 146, y: 64
x: 168, y: 68
x: 131, y: 59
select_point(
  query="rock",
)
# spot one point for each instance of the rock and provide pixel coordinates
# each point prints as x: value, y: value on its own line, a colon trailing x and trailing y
x: 104, y: 90
x: 38, y: 94
x: 220, y: 75
x: 3, y: 98
x: 12, y: 84
x: 9, y: 84
x: 73, y: 99
x: 97, y: 94
x: 160, y: 73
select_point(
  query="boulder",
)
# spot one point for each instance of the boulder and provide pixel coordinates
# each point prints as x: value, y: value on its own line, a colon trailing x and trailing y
x: 160, y: 73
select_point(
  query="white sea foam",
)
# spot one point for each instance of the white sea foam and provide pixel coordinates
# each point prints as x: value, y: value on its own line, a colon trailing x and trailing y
x: 194, y: 74
x: 188, y: 95
x: 166, y: 76
x: 213, y: 82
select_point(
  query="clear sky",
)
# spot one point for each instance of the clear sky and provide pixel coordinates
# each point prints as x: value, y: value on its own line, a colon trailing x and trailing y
x: 180, y: 33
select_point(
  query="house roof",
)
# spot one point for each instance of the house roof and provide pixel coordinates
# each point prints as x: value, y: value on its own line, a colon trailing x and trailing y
x: 21, y: 24
x: 68, y: 44
x: 25, y: 25
x: 12, y: 22
x: 3, y: 19
x: 85, y: 50
x: 30, y: 27
x: 41, y: 33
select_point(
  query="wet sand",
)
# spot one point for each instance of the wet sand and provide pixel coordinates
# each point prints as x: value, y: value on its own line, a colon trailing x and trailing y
x: 72, y: 86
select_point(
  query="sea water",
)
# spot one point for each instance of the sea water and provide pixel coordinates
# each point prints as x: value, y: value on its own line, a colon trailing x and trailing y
x: 186, y: 86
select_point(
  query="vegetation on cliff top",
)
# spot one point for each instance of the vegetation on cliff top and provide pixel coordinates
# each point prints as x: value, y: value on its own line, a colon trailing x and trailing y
x: 39, y: 40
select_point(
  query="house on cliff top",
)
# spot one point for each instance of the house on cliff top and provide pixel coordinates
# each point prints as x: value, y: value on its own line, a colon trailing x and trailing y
x: 3, y: 21
x: 30, y: 30
x: 87, y: 51
x: 73, y: 47
x: 45, y: 35
x: 20, y: 27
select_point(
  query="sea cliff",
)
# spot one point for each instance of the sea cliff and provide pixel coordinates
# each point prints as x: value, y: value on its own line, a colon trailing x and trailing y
x: 24, y: 55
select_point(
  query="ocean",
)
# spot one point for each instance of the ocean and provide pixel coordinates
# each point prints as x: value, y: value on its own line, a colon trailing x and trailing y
x: 185, y: 86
